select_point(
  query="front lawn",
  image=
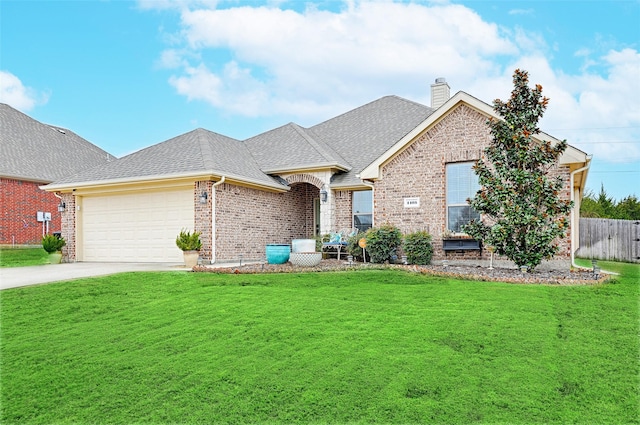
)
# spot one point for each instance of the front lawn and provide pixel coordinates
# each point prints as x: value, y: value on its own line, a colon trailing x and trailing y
x: 21, y: 257
x: 382, y: 346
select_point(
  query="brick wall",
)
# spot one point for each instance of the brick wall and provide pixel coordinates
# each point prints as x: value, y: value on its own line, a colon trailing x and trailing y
x: 419, y: 171
x: 247, y: 219
x: 68, y: 218
x: 203, y: 217
x: 344, y: 209
x: 20, y: 201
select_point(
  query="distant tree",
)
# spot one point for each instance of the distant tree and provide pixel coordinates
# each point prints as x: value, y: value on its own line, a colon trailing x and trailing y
x: 628, y: 208
x: 590, y: 208
x: 520, y: 200
x: 604, y: 206
x: 606, y: 203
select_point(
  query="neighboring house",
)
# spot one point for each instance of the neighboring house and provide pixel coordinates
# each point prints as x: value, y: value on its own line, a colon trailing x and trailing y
x: 33, y: 154
x: 390, y: 161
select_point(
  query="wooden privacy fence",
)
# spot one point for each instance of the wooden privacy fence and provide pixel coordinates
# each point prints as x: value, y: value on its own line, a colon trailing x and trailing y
x: 608, y: 239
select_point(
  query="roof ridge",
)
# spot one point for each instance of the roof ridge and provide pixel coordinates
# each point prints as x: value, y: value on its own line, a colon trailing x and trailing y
x: 205, y: 147
x: 317, y: 145
x: 350, y: 111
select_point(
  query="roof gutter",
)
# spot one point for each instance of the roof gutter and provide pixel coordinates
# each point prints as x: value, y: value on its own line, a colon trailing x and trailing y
x: 573, y: 210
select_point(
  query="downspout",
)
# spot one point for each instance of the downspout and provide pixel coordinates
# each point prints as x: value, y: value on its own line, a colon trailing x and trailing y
x: 573, y: 210
x: 213, y: 218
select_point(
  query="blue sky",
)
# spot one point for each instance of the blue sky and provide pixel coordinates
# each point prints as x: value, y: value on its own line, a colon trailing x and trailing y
x: 128, y: 74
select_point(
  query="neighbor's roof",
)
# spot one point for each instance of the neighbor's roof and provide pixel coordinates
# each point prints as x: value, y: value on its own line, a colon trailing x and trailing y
x: 33, y: 151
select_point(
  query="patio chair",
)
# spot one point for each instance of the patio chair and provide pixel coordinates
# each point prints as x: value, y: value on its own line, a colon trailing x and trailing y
x: 337, y: 241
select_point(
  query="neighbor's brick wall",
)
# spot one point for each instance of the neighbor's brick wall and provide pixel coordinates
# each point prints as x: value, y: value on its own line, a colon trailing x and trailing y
x: 20, y: 201
x: 247, y: 219
x: 419, y: 171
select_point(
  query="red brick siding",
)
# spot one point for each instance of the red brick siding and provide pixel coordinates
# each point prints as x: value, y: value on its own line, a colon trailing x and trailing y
x: 69, y: 227
x: 419, y: 171
x: 20, y: 201
x: 344, y: 209
x: 248, y: 219
x: 203, y: 217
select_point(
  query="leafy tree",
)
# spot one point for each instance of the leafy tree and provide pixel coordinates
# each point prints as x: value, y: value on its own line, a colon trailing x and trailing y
x: 628, y: 208
x: 590, y: 208
x: 604, y: 206
x: 518, y: 197
x: 606, y: 203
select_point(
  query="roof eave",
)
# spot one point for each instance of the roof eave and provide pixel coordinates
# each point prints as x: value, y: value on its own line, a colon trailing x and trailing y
x: 164, y: 180
x: 24, y: 178
x: 307, y: 168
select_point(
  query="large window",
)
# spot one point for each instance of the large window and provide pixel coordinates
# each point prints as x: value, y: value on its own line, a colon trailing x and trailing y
x: 362, y: 210
x: 462, y: 184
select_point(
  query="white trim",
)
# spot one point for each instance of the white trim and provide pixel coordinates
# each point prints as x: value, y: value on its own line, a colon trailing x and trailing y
x: 155, y: 179
x: 574, y: 223
x: 372, y: 171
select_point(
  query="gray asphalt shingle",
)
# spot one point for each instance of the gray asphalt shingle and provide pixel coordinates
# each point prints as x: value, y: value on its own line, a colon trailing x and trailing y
x: 363, y: 134
x: 350, y: 142
x: 31, y: 150
x: 196, y: 151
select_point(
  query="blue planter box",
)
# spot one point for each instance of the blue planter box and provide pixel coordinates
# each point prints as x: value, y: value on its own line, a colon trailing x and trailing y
x: 278, y: 253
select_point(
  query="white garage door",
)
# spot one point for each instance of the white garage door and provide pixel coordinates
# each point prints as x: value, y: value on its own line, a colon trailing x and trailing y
x: 137, y: 227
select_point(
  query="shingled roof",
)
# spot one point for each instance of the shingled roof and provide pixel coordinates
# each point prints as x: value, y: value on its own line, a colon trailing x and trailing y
x: 291, y: 147
x: 345, y: 144
x: 197, y: 152
x: 33, y: 151
x: 363, y: 134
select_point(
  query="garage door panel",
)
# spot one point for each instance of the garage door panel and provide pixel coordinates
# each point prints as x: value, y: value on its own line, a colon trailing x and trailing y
x: 139, y: 227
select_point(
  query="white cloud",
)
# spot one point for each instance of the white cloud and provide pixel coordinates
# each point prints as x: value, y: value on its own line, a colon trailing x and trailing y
x: 598, y: 113
x: 312, y: 64
x: 16, y: 94
x: 305, y: 63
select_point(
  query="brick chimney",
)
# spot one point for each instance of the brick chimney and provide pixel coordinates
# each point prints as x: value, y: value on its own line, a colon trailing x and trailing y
x: 440, y: 93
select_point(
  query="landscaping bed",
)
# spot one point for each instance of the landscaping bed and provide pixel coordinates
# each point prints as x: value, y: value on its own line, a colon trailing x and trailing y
x: 497, y: 274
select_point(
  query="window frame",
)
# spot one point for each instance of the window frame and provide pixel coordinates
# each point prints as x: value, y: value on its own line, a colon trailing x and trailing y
x: 354, y: 213
x: 471, y: 191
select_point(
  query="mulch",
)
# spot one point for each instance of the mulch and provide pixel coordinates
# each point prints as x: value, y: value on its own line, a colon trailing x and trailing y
x: 477, y: 273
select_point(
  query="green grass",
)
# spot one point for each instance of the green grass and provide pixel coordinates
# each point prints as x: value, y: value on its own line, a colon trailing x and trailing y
x: 379, y: 346
x: 21, y: 257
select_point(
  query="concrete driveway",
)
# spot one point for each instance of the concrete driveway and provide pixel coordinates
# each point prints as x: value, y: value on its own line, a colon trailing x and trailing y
x: 13, y: 277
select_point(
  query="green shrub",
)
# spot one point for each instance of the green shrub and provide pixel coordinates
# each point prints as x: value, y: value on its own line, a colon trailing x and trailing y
x: 52, y: 243
x: 418, y: 247
x: 354, y: 249
x: 383, y: 242
x: 188, y: 241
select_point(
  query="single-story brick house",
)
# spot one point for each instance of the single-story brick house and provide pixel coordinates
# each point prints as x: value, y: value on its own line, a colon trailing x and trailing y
x: 389, y: 161
x: 33, y: 154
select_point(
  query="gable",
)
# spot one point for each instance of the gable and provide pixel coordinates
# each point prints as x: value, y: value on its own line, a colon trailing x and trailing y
x: 463, y: 120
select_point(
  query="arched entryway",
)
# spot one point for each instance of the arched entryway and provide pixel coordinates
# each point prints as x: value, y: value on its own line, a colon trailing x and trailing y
x: 306, y: 188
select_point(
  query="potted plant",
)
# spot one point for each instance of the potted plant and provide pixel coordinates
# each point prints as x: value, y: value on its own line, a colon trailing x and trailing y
x: 190, y: 244
x: 53, y: 245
